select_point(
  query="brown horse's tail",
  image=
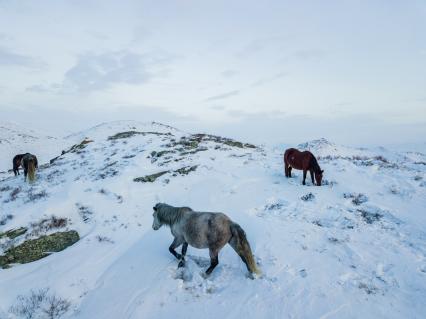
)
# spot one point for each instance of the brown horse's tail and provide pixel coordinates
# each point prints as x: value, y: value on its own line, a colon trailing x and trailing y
x: 240, y: 244
x: 31, y: 170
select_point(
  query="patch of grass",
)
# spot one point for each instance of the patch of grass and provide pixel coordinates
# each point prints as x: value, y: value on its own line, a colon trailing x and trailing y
x: 150, y: 178
x: 13, y: 233
x: 35, y: 249
x: 153, y: 177
x: 128, y: 134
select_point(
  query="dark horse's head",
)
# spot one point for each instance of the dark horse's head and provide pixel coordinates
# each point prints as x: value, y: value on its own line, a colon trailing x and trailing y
x: 318, y: 176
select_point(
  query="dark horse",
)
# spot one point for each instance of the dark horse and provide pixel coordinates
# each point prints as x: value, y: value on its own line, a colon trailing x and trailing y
x: 30, y: 164
x: 305, y: 161
x: 17, y: 161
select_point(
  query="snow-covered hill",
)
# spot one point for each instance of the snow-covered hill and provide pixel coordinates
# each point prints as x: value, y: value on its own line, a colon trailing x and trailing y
x: 17, y: 139
x: 353, y: 248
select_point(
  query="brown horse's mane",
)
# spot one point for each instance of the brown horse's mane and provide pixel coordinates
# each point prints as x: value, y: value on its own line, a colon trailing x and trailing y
x: 315, y: 166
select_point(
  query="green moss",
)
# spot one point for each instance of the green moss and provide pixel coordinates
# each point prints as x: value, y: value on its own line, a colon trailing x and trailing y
x: 13, y: 233
x: 186, y: 170
x: 35, y: 249
x: 133, y: 133
x: 149, y: 178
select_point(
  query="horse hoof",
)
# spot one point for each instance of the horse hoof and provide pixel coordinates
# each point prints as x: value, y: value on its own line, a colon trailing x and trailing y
x: 181, y: 264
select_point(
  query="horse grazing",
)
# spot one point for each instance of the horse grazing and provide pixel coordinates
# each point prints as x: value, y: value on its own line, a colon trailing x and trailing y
x: 17, y: 162
x: 203, y: 230
x: 30, y: 164
x: 305, y: 161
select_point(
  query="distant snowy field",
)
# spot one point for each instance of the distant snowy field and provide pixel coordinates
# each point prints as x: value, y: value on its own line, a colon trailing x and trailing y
x: 353, y: 248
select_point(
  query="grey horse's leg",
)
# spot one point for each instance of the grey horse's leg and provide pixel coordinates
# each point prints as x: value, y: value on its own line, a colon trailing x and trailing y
x: 214, y: 261
x: 184, y: 248
x: 176, y: 243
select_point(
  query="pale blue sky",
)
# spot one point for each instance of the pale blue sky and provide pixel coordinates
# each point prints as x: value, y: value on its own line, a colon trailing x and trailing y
x: 350, y: 71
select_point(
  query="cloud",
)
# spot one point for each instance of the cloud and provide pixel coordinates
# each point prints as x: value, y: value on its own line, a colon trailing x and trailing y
x: 309, y: 54
x: 10, y: 58
x: 267, y: 80
x: 222, y: 96
x: 228, y: 73
x: 94, y: 72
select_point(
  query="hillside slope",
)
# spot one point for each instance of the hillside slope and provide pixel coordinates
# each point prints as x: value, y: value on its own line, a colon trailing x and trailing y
x: 17, y: 139
x: 353, y: 248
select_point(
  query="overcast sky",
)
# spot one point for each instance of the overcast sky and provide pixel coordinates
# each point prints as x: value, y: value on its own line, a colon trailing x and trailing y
x: 350, y: 71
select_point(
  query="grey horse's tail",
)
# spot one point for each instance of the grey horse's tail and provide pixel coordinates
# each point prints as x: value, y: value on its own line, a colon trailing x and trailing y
x: 240, y: 244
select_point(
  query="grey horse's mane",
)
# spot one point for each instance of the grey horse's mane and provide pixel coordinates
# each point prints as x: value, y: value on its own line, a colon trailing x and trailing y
x: 170, y: 215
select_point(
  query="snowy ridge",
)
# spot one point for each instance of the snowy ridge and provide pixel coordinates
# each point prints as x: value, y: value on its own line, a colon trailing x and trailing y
x: 353, y: 248
x: 16, y: 139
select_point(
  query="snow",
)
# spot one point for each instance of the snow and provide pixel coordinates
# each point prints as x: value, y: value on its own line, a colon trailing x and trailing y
x: 324, y: 257
x: 16, y: 139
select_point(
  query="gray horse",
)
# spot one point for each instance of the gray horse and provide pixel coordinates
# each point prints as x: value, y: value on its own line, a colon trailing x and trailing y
x: 203, y: 230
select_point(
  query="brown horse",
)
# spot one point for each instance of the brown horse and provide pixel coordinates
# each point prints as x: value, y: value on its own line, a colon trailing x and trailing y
x: 29, y: 163
x: 305, y: 161
x: 17, y: 161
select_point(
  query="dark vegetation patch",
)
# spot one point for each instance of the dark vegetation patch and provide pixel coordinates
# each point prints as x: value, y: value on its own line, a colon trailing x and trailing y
x: 362, y: 160
x: 13, y: 195
x: 193, y: 141
x: 35, y: 249
x: 47, y: 224
x: 153, y: 177
x: 368, y: 288
x: 104, y: 239
x: 85, y: 212
x: 369, y: 217
x: 308, y: 197
x: 34, y: 195
x: 357, y: 199
x: 5, y: 188
x: 76, y: 148
x: 13, y: 233
x: 4, y: 219
x: 128, y: 134
x: 274, y: 206
x: 150, y: 178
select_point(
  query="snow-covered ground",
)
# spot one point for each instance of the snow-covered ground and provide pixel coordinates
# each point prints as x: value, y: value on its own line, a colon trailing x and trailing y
x: 18, y: 139
x: 354, y: 248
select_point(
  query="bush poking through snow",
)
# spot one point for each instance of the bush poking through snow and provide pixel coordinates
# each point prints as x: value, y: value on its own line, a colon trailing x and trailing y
x: 34, y: 196
x: 84, y: 212
x: 44, y: 225
x: 308, y: 197
x: 104, y: 239
x: 357, y: 199
x: 4, y: 219
x: 40, y: 304
x: 13, y: 195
